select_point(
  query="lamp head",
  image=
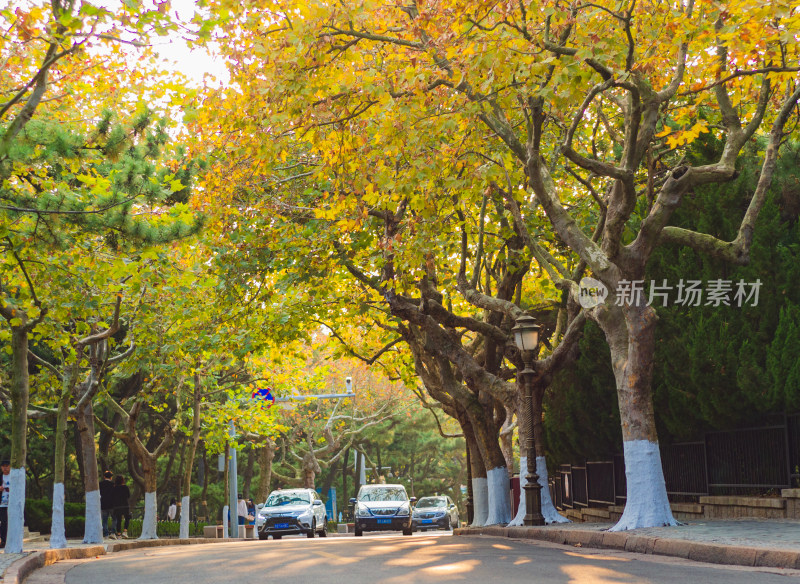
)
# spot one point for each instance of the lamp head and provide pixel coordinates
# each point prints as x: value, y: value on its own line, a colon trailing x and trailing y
x: 348, y: 383
x: 526, y: 333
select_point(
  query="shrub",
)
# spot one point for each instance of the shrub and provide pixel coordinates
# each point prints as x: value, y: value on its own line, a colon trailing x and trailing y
x: 75, y: 509
x: 166, y: 528
x: 73, y: 526
x: 38, y: 514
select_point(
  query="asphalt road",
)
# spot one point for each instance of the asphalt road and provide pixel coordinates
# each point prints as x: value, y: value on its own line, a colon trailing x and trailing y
x: 397, y: 559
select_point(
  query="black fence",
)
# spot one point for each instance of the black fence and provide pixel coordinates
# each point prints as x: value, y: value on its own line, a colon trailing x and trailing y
x: 746, y: 461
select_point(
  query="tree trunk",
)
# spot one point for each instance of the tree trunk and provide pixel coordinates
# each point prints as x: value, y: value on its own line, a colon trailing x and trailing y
x: 204, y: 494
x: 507, y: 448
x: 497, y: 480
x: 310, y: 470
x: 266, y: 456
x: 20, y: 394
x: 227, y: 489
x: 346, y: 459
x: 58, y: 538
x: 480, y: 493
x: 149, y: 470
x: 630, y: 332
x: 186, y: 486
x: 93, y: 528
x: 248, y: 471
x: 357, y: 471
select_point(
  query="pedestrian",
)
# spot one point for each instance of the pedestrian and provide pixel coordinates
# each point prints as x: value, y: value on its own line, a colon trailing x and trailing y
x: 173, y: 509
x: 122, y: 495
x: 251, y: 516
x: 106, y: 500
x: 241, y: 510
x: 5, y: 466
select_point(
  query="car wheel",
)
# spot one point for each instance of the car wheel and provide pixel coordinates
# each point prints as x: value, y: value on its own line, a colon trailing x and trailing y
x: 358, y: 532
x: 324, y: 532
x: 448, y: 526
x: 276, y: 537
x: 313, y: 531
x: 407, y: 531
x: 262, y: 536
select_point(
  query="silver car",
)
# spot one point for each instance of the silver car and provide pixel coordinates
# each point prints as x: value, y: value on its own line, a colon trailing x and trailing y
x: 434, y: 513
x: 290, y: 512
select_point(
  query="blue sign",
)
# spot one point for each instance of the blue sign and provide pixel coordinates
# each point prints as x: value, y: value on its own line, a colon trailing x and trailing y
x: 330, y: 504
x: 265, y: 395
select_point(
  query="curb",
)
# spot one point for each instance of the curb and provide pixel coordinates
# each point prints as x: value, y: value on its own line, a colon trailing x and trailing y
x: 22, y: 568
x: 642, y: 544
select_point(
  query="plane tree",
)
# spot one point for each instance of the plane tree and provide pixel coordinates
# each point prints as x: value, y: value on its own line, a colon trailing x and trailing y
x: 586, y: 109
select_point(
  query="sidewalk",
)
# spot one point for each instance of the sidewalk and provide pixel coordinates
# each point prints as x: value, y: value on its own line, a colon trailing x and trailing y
x: 742, y: 542
x: 36, y: 553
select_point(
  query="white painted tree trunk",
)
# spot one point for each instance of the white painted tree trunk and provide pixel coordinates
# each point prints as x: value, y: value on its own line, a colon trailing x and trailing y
x: 184, y: 534
x: 549, y: 511
x: 149, y: 521
x: 499, y: 489
x: 647, y: 504
x: 480, y: 501
x: 521, y: 510
x: 58, y: 538
x: 16, y: 510
x: 226, y: 530
x: 93, y: 522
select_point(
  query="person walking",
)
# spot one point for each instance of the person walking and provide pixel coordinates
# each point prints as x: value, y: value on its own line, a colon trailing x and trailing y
x: 172, y: 512
x: 5, y: 466
x: 241, y: 510
x: 251, y: 517
x: 122, y: 495
x: 106, y: 500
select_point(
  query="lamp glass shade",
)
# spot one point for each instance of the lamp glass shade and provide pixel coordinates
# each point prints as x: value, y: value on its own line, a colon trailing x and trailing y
x: 526, y: 333
x: 530, y: 338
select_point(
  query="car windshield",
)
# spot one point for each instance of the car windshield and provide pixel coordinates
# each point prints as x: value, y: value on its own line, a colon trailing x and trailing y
x: 383, y: 494
x: 427, y: 502
x: 288, y: 498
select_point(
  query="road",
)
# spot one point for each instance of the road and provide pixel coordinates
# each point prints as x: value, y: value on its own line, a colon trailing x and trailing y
x: 395, y: 559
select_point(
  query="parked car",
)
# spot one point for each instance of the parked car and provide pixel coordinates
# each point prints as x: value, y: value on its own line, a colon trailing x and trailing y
x: 292, y: 511
x: 434, y: 513
x: 382, y: 508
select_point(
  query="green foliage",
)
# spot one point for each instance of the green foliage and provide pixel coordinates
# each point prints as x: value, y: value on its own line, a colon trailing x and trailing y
x: 166, y: 528
x: 581, y: 411
x: 715, y: 367
x: 39, y: 516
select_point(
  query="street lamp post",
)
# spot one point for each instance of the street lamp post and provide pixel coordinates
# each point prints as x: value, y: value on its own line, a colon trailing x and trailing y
x: 526, y: 337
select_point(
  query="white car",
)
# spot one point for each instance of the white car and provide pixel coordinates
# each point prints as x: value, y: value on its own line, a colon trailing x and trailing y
x: 292, y: 511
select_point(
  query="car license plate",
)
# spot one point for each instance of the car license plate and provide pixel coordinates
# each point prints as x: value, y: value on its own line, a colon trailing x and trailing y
x: 281, y: 525
x: 427, y: 521
x: 384, y: 521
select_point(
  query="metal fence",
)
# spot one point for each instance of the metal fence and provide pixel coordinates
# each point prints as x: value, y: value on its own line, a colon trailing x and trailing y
x: 744, y: 461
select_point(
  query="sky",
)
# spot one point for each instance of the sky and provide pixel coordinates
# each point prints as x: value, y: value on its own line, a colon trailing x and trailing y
x: 192, y: 62
x: 196, y: 62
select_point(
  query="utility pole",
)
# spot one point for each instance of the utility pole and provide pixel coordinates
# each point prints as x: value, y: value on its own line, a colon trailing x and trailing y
x: 233, y: 522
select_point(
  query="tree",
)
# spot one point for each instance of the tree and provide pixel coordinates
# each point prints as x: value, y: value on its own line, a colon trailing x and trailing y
x: 43, y: 174
x: 590, y: 108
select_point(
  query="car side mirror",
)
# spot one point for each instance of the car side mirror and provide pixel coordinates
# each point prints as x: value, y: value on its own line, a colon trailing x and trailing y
x: 317, y: 503
x: 352, y: 500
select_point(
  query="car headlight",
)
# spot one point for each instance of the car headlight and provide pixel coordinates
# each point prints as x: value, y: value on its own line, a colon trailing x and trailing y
x: 362, y: 511
x: 304, y: 514
x: 439, y: 514
x: 403, y: 511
